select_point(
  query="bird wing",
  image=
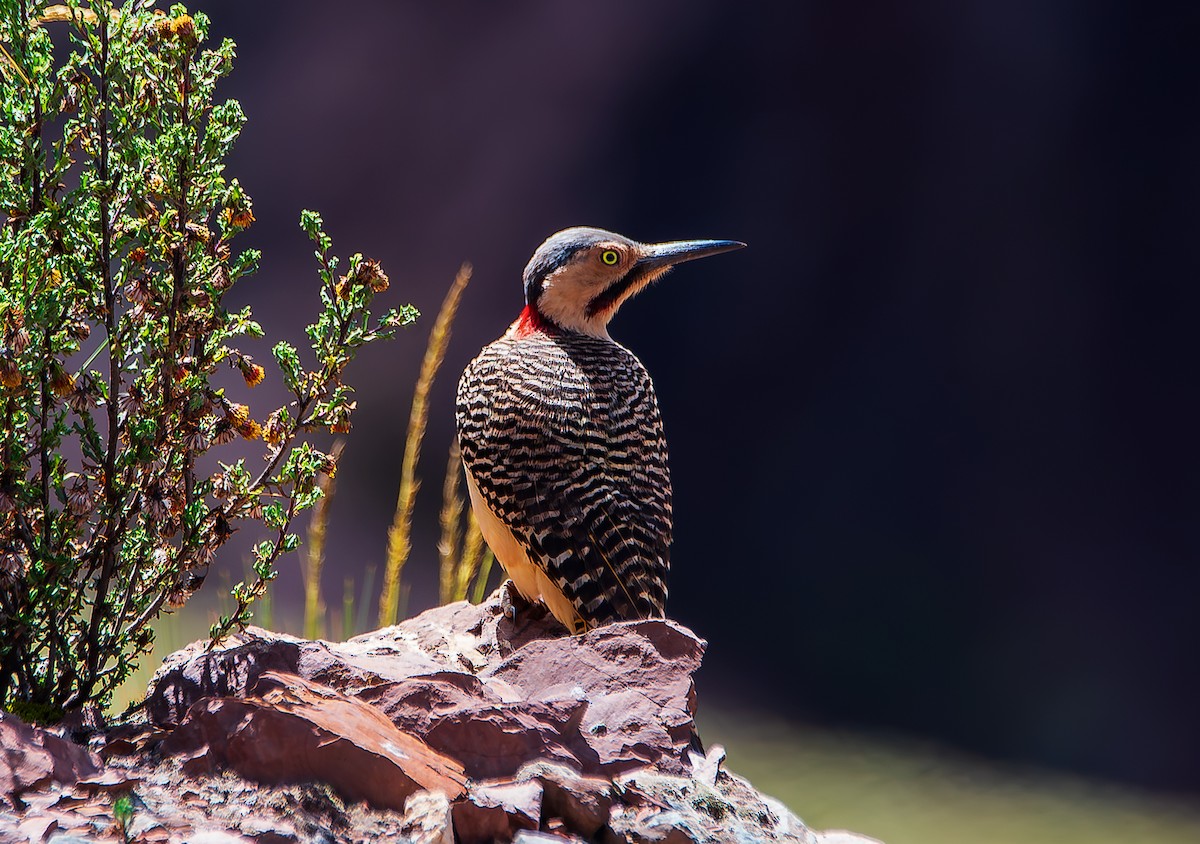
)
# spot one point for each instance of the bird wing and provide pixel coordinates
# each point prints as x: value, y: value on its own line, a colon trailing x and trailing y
x: 563, y: 438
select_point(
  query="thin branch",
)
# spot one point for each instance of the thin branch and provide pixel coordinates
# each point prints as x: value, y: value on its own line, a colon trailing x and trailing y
x: 108, y: 537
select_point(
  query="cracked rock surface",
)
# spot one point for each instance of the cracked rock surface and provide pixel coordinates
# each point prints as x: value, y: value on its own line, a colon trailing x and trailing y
x: 457, y: 725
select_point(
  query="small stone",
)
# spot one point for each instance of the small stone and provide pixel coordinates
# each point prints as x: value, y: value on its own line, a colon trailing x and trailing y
x: 583, y: 802
x: 31, y: 757
x: 496, y: 810
x: 526, y: 837
x: 427, y: 819
x: 36, y: 829
x: 216, y: 836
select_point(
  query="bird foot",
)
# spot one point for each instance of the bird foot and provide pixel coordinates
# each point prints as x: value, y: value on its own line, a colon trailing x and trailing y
x: 512, y: 601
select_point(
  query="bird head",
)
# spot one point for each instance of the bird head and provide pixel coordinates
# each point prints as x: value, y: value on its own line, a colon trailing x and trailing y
x: 579, y: 278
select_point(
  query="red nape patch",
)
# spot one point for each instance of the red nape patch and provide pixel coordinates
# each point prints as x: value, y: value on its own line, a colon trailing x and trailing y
x: 529, y: 322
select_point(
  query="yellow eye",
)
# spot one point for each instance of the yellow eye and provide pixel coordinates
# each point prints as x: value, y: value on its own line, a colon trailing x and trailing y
x: 610, y: 257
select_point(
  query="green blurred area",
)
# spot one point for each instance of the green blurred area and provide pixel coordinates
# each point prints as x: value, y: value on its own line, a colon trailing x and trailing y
x: 909, y: 793
x: 901, y: 792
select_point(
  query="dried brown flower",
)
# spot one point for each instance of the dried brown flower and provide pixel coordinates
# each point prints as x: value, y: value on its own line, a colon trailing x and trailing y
x: 220, y: 279
x: 79, y: 497
x: 221, y: 529
x: 82, y: 397
x: 372, y: 274
x: 238, y: 218
x: 197, y: 440
x: 198, y: 233
x: 158, y: 502
x: 250, y: 430
x: 221, y: 486
x: 329, y: 464
x: 368, y: 272
x: 184, y: 28
x: 237, y: 414
x: 130, y: 401
x: 341, y: 419
x: 275, y: 427
x: 18, y: 339
x: 251, y: 371
x: 13, y: 566
x: 62, y: 383
x: 223, y: 432
x: 138, y: 290
x: 10, y: 373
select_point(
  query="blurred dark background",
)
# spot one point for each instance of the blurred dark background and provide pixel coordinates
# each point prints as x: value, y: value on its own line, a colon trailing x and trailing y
x: 933, y: 434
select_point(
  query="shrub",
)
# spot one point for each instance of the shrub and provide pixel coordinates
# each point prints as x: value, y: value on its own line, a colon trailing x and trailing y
x: 116, y: 223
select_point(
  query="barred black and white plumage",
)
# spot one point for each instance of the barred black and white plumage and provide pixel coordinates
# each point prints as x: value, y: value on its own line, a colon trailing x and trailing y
x: 562, y: 439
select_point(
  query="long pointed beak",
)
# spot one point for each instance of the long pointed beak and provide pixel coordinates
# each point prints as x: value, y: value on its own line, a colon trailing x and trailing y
x: 660, y: 255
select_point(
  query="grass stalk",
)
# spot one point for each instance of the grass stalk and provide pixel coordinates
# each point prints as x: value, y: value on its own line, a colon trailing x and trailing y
x: 400, y: 533
x: 451, y: 522
x: 479, y: 589
x: 472, y: 556
x: 347, y: 608
x: 314, y: 556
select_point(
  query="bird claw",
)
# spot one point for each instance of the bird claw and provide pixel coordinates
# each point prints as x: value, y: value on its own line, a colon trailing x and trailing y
x: 511, y: 601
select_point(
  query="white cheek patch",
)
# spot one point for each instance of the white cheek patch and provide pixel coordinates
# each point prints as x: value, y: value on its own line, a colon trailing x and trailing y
x: 565, y: 297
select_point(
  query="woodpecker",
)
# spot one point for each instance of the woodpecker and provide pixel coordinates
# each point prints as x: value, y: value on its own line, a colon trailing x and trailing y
x: 561, y: 436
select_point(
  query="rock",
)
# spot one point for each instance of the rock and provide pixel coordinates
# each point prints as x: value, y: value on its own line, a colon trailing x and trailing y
x: 31, y: 757
x: 458, y: 725
x: 216, y: 836
x: 637, y: 680
x: 667, y: 808
x: 524, y: 836
x: 494, y: 741
x: 36, y: 828
x: 470, y: 684
x: 584, y: 803
x: 427, y: 819
x: 494, y: 811
x: 293, y: 730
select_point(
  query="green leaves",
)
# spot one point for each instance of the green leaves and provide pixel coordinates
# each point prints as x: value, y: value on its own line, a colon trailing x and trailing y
x: 288, y: 359
x: 314, y: 227
x: 117, y: 241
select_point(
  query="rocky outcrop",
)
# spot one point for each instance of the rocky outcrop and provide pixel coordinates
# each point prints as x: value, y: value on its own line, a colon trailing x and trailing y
x: 32, y: 758
x: 457, y: 725
x: 472, y: 685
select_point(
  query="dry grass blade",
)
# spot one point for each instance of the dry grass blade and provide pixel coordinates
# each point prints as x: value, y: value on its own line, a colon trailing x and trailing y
x: 347, y: 608
x: 472, y: 556
x: 481, y: 579
x: 14, y: 64
x: 314, y: 607
x: 451, y: 521
x: 400, y: 533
